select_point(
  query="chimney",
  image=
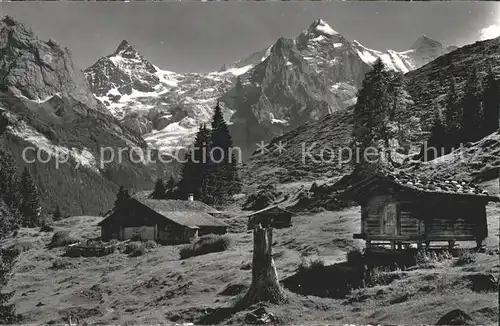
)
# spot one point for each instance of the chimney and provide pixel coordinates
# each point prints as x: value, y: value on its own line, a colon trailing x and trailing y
x: 190, y: 197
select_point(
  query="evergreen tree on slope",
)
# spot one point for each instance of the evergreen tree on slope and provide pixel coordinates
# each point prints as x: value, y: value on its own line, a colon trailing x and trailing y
x: 159, y: 191
x: 223, y: 165
x: 196, y: 164
x: 30, y: 207
x: 453, y: 118
x: 491, y: 104
x: 371, y: 116
x: 471, y: 106
x: 121, y: 197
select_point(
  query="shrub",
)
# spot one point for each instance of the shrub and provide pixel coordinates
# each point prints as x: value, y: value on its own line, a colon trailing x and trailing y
x: 46, y: 228
x: 306, y: 266
x: 62, y: 238
x: 465, y: 257
x: 354, y: 256
x: 204, y: 245
x: 131, y: 247
x: 138, y: 252
x: 61, y: 263
x: 382, y: 275
x: 150, y: 244
x: 22, y: 246
x: 114, y: 242
x: 136, y: 237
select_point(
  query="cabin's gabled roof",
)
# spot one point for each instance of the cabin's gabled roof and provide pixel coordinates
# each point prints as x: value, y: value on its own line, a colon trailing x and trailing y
x: 268, y: 208
x: 176, y: 205
x: 431, y: 185
x: 192, y: 218
x: 182, y: 212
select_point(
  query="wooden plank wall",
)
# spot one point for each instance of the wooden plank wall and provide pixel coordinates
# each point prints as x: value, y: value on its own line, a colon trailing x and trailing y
x: 408, y: 221
x: 465, y: 219
x: 371, y: 214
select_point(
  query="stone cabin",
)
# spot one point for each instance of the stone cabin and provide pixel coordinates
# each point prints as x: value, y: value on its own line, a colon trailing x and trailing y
x: 400, y: 208
x: 165, y: 221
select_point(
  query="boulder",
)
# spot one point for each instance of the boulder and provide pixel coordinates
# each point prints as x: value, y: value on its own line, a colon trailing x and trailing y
x: 482, y: 282
x: 260, y: 316
x: 455, y: 317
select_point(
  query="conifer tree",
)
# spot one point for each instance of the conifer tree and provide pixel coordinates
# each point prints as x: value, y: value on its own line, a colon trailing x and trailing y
x: 196, y: 163
x: 57, y: 216
x: 7, y: 311
x: 453, y: 118
x: 160, y: 191
x: 435, y: 144
x: 371, y: 115
x: 9, y: 181
x: 121, y: 197
x: 3, y: 123
x: 223, y: 162
x: 30, y: 207
x: 171, y: 188
x: 399, y: 125
x: 471, y: 106
x: 491, y: 104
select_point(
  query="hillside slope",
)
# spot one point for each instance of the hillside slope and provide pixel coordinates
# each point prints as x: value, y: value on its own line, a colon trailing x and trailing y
x: 158, y: 287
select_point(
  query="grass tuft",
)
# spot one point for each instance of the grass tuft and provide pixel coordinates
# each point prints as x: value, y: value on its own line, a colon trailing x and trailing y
x: 465, y: 257
x: 62, y: 238
x: 61, y: 263
x: 22, y: 246
x: 204, y: 245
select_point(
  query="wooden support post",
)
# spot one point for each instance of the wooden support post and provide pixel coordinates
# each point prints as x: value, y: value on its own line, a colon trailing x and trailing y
x: 265, y: 285
x: 393, y: 245
x: 479, y: 243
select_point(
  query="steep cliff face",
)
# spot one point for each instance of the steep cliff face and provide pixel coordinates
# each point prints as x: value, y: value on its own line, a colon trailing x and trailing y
x: 51, y: 109
x: 36, y: 69
x: 123, y: 71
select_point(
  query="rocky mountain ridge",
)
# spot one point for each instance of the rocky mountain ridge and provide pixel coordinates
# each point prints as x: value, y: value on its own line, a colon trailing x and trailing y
x: 291, y: 82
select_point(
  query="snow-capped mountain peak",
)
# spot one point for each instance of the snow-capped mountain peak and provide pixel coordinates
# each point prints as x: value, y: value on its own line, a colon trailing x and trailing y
x: 423, y: 41
x: 320, y: 27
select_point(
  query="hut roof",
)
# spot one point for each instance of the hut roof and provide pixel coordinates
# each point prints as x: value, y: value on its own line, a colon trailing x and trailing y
x: 176, y: 205
x: 437, y: 185
x: 268, y: 208
x: 181, y: 212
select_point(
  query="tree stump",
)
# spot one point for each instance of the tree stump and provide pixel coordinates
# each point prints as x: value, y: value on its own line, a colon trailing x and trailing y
x: 265, y: 285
